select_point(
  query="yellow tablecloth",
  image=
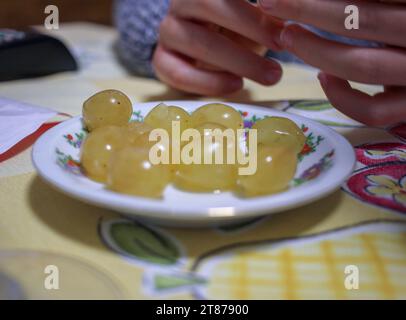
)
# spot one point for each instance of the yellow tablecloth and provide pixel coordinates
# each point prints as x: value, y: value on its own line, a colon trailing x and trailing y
x: 302, y: 253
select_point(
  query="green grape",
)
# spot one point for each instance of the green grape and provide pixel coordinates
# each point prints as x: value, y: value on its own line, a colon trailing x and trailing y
x: 161, y: 117
x: 136, y: 129
x: 217, y: 113
x: 276, y: 131
x: 146, y: 141
x: 208, y: 177
x: 107, y: 108
x: 131, y: 172
x: 276, y: 167
x: 97, y: 149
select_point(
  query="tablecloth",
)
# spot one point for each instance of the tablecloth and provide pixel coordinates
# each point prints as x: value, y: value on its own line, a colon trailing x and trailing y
x: 349, y: 245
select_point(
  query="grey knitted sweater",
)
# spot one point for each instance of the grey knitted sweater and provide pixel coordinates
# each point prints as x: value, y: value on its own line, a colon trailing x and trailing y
x: 138, y: 22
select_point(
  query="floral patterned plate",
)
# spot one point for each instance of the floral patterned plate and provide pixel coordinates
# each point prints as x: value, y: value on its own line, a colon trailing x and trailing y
x: 324, y: 164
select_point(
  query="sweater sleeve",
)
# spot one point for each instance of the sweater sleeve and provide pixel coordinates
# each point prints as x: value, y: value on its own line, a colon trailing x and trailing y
x: 138, y: 23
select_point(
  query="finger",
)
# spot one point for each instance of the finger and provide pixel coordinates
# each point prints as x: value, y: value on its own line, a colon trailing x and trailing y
x: 383, y: 66
x: 380, y: 110
x: 377, y: 21
x: 236, y: 15
x: 180, y: 74
x: 244, y: 42
x: 200, y: 43
x: 393, y: 1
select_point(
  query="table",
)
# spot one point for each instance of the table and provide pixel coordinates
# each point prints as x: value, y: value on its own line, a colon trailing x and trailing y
x: 316, y: 251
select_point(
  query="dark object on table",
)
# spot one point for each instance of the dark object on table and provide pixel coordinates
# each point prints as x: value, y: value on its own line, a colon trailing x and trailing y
x: 31, y: 54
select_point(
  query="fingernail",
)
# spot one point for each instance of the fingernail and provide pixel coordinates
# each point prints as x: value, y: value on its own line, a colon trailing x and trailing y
x: 277, y: 42
x: 323, y: 79
x: 267, y: 5
x: 272, y: 76
x: 286, y: 38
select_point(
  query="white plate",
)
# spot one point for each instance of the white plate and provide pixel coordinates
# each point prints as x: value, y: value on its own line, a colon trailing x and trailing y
x: 328, y: 161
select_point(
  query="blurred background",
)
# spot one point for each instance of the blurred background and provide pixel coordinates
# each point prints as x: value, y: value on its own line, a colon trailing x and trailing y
x: 23, y: 13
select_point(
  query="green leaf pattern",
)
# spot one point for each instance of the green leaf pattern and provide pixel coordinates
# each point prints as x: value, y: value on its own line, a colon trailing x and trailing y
x: 141, y: 243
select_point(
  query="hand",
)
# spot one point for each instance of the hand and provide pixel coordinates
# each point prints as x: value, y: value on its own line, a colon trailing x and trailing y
x: 222, y: 34
x: 385, y: 65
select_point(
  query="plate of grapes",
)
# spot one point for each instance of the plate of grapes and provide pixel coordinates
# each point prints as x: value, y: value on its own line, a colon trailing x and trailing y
x: 191, y: 163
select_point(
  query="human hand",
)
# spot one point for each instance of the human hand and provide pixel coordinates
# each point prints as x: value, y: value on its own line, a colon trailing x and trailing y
x: 386, y: 65
x: 222, y: 34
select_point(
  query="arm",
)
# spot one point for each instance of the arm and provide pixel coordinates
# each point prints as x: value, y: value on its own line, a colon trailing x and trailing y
x: 138, y: 22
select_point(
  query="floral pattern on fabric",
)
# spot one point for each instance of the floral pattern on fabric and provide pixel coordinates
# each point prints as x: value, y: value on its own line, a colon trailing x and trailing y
x: 387, y: 187
x: 383, y: 186
x: 372, y: 154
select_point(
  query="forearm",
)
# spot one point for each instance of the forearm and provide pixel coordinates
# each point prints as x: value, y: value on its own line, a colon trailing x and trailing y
x: 138, y: 22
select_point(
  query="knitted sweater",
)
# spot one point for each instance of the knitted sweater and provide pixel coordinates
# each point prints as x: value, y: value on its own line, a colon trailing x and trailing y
x: 138, y: 23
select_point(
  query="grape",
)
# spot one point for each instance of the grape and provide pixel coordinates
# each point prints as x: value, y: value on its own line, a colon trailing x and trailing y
x: 217, y: 113
x: 276, y: 131
x: 208, y: 177
x: 146, y: 142
x: 97, y: 149
x: 162, y: 116
x: 276, y: 167
x: 109, y: 107
x: 135, y: 129
x: 207, y: 130
x: 131, y: 172
x: 119, y: 153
